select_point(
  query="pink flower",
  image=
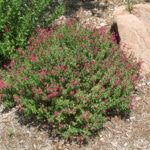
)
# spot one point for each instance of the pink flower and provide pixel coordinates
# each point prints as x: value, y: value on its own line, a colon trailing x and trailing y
x: 123, y: 86
x: 70, y: 36
x: 18, y: 50
x: 44, y: 69
x: 93, y: 35
x: 103, y: 109
x: 55, y: 114
x: 86, y: 64
x: 94, y: 129
x: 32, y: 58
x: 45, y: 84
x: 103, y: 89
x: 62, y: 80
x: 94, y: 83
x: 24, y: 78
x: 65, y: 70
x: 2, y: 95
x: 42, y: 73
x: 60, y: 88
x: 69, y: 24
x: 70, y: 86
x: 71, y: 93
x: 48, y: 89
x: 81, y: 45
x: 29, y: 48
x: 53, y: 26
x: 87, y: 25
x: 132, y: 99
x: 130, y: 106
x: 20, y: 108
x: 98, y: 96
x: 105, y: 101
x: 2, y: 84
x: 79, y: 138
x: 6, y: 29
x: 92, y: 62
x: 12, y: 62
x: 62, y: 18
x: 44, y: 99
x: 135, y: 85
x: 95, y: 28
x: 87, y: 127
x: 116, y: 82
x: 50, y: 95
x: 21, y: 56
x: 45, y: 110
x: 55, y: 93
x: 20, y: 91
x: 5, y: 66
x: 86, y: 101
x: 16, y: 81
x: 75, y: 82
x: 85, y: 115
x: 61, y: 125
x: 37, y: 29
x: 32, y: 89
x: 75, y: 72
x: 67, y: 110
x: 78, y: 58
x: 16, y: 99
x: 117, y: 73
x: 39, y: 91
x: 107, y: 117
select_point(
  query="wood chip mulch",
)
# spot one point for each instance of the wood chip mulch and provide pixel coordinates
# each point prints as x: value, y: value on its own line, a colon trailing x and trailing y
x: 133, y: 133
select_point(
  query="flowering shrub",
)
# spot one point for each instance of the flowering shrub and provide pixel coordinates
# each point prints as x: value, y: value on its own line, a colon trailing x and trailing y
x: 18, y: 18
x: 71, y: 76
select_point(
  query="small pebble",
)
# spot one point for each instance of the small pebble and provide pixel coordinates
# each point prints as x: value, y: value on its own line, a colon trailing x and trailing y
x: 67, y: 144
x: 66, y: 149
x: 128, y: 120
x: 103, y: 24
x: 138, y: 98
x: 34, y: 146
x: 115, y: 144
x: 148, y: 83
x: 102, y: 139
x: 5, y: 116
x: 143, y: 84
x: 21, y: 142
x: 132, y: 118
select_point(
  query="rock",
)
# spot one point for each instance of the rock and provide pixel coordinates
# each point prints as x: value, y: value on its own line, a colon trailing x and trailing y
x: 148, y: 83
x: 134, y: 31
x: 103, y: 24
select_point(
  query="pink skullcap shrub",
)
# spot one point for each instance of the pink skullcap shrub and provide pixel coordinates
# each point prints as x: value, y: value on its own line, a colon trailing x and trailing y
x: 71, y: 76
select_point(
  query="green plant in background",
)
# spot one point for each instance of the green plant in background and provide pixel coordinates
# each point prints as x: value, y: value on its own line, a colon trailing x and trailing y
x: 130, y: 5
x: 73, y: 77
x: 18, y: 20
x: 10, y: 132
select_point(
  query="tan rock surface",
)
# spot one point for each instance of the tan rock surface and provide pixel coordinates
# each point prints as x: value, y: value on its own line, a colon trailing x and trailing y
x: 134, y: 30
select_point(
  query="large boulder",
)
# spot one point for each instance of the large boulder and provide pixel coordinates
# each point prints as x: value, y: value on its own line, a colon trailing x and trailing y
x: 134, y: 31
